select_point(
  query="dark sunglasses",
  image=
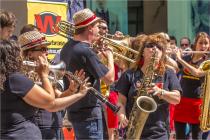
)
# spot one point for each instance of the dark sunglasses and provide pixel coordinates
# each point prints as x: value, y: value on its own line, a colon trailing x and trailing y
x: 40, y: 50
x: 184, y: 44
x: 152, y: 45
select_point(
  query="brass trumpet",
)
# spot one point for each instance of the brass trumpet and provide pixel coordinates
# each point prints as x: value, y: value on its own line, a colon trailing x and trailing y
x: 57, y: 70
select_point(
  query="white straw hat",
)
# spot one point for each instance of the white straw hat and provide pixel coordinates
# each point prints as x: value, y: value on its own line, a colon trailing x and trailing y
x: 32, y: 39
x: 84, y: 18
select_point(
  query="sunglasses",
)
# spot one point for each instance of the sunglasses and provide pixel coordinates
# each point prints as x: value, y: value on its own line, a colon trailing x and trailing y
x: 203, y: 43
x: 152, y: 45
x: 184, y: 45
x: 40, y: 50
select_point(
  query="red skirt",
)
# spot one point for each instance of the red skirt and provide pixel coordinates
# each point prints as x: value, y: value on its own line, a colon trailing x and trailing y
x: 112, y: 118
x: 188, y: 110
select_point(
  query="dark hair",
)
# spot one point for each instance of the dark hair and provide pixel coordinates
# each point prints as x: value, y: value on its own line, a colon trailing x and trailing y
x: 185, y: 38
x: 102, y: 21
x: 7, y: 19
x: 173, y: 38
x: 27, y: 28
x: 11, y: 61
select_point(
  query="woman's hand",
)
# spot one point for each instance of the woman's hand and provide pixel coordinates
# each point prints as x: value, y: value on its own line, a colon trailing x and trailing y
x: 178, y: 53
x: 43, y: 66
x: 154, y: 90
x: 123, y: 121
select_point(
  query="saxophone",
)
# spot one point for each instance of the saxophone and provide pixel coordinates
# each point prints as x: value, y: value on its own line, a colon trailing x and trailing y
x: 205, y: 106
x: 144, y: 104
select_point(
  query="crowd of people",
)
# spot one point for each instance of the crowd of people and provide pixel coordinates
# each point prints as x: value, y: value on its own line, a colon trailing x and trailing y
x: 33, y: 105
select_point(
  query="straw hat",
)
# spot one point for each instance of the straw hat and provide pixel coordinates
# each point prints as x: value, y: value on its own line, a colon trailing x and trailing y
x: 32, y: 39
x: 84, y: 18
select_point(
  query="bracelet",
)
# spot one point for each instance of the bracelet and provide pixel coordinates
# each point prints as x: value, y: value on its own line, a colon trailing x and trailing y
x: 162, y: 92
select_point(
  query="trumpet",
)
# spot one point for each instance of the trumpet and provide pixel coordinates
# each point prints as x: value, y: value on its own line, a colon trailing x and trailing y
x: 59, y: 71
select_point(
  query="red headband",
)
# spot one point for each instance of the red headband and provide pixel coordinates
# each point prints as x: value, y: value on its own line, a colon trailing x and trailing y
x: 86, y: 21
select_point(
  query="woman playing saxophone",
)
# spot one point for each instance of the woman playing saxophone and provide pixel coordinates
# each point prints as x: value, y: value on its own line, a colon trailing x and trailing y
x: 164, y: 89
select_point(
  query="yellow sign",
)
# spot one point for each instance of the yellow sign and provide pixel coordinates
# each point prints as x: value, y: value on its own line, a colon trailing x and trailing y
x: 45, y: 15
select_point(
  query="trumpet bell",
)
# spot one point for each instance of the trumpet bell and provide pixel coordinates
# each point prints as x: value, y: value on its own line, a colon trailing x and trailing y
x: 58, y: 70
x: 61, y: 66
x: 65, y: 29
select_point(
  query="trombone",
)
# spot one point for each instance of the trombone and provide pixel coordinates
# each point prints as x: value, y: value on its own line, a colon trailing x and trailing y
x: 120, y: 47
x: 65, y: 29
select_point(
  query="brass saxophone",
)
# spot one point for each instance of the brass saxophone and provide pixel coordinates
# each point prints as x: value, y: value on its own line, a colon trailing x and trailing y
x: 144, y: 104
x: 205, y: 106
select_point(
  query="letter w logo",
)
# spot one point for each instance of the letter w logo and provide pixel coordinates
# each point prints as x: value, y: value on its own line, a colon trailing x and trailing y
x: 46, y: 21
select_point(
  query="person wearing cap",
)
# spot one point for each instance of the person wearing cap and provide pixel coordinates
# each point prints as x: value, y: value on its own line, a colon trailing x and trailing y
x: 7, y: 24
x: 34, y: 45
x: 50, y: 123
x: 20, y: 96
x: 86, y: 115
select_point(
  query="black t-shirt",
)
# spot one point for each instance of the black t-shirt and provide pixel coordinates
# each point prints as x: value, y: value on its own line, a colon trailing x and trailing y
x: 157, y: 123
x: 78, y: 55
x: 15, y: 113
x: 46, y: 119
x: 191, y: 85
